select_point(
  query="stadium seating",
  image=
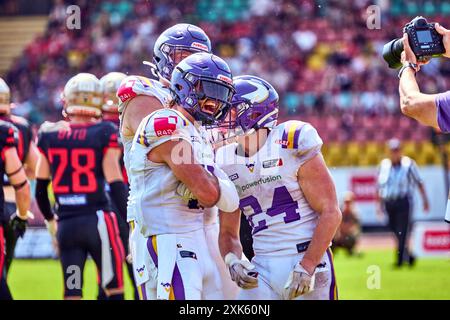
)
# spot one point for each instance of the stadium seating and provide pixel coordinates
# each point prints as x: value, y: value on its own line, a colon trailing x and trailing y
x: 317, y: 74
x: 15, y: 34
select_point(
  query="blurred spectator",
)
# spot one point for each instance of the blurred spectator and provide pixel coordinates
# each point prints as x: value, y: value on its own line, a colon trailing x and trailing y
x: 349, y: 231
x: 318, y: 54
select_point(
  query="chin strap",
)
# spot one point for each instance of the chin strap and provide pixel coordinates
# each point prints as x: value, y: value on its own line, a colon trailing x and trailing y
x: 153, y: 69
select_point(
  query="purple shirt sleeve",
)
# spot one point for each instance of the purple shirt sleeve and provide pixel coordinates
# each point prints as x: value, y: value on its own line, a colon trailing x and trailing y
x: 443, y: 111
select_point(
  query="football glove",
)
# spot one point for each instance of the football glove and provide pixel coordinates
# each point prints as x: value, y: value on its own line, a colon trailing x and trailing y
x: 19, y: 224
x: 187, y: 196
x: 240, y: 271
x: 299, y: 282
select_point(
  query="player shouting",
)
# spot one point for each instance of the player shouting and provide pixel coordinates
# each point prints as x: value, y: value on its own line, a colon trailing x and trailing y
x: 173, y: 178
x: 139, y: 96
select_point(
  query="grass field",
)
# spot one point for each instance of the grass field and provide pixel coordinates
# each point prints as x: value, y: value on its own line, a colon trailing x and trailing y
x: 429, y: 279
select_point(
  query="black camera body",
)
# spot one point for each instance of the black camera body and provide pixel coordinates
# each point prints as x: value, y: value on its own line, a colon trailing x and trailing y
x: 423, y: 39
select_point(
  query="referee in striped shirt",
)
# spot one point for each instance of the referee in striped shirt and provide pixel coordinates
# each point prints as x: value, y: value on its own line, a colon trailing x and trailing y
x: 397, y: 179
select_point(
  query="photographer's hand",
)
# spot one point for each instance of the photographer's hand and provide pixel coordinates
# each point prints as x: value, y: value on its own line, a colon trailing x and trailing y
x: 408, y: 55
x: 445, y: 38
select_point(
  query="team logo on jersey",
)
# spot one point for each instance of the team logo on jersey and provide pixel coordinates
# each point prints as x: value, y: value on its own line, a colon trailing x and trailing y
x: 188, y: 254
x: 272, y: 163
x: 234, y: 177
x: 250, y: 166
x: 140, y: 271
x: 166, y: 286
x: 165, y: 126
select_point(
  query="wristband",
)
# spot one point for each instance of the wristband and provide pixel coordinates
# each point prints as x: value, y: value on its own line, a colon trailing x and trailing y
x: 409, y: 65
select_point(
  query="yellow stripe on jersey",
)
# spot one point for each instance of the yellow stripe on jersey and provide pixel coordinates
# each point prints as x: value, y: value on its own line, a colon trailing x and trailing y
x: 155, y: 247
x: 147, y: 81
x: 291, y: 133
x: 185, y: 120
x: 140, y: 294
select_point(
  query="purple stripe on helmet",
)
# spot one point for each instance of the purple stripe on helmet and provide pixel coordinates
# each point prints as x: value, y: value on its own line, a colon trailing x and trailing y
x: 296, y: 135
x: 144, y: 292
x: 333, y: 279
x: 177, y: 285
x: 284, y: 138
x: 152, y: 251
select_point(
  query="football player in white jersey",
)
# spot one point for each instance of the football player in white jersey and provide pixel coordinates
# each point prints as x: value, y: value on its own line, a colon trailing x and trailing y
x: 139, y: 96
x: 173, y: 177
x: 288, y: 196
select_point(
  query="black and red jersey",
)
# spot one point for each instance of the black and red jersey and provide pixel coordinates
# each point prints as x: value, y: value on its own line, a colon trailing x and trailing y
x: 25, y: 136
x: 8, y: 139
x: 75, y: 153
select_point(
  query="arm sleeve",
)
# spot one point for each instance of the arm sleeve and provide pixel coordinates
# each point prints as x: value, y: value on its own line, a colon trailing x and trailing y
x: 443, y: 111
x: 119, y: 193
x: 42, y: 198
x: 229, y: 198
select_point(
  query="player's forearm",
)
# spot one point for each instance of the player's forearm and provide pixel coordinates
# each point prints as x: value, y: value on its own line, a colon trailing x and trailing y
x: 23, y: 200
x: 228, y: 242
x: 329, y: 221
x: 206, y: 191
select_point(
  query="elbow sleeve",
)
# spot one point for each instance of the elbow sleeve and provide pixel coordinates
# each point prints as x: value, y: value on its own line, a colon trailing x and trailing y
x: 119, y: 193
x: 229, y: 198
x: 42, y: 198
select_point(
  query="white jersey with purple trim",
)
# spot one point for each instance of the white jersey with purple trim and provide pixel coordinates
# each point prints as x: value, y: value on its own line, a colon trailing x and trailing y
x: 270, y: 196
x: 129, y: 88
x: 153, y: 185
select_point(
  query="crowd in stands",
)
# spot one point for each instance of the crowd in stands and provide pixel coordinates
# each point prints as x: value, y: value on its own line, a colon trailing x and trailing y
x: 320, y: 55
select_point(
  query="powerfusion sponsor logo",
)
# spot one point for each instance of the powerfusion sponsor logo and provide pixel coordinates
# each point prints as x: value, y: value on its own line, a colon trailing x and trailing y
x: 269, y: 179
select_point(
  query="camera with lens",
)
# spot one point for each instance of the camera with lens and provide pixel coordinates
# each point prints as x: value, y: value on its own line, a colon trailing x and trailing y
x: 423, y: 39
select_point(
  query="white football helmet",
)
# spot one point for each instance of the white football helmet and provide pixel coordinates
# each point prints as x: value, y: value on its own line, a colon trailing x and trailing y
x: 5, y: 97
x: 82, y: 96
x: 109, y: 84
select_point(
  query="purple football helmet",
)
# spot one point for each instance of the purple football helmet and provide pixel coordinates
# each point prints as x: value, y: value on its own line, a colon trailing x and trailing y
x: 176, y: 43
x: 202, y: 84
x: 255, y: 102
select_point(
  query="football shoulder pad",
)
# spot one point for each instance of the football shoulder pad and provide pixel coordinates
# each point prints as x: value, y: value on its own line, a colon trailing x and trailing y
x: 133, y: 86
x: 300, y: 137
x: 48, y: 126
x: 161, y: 126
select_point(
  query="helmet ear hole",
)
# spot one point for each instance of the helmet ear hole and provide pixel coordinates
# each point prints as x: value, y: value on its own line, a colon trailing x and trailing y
x: 157, y: 59
x: 179, y: 86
